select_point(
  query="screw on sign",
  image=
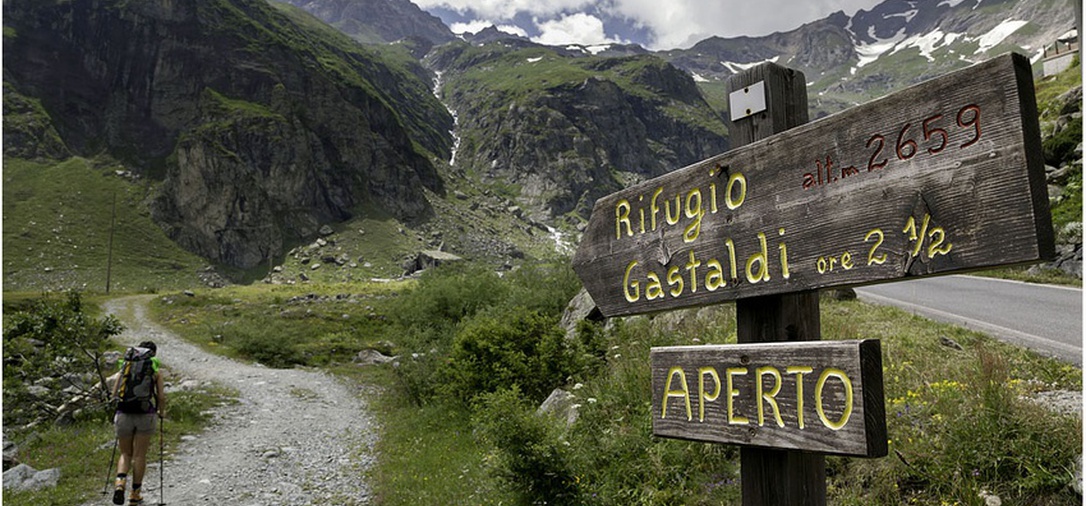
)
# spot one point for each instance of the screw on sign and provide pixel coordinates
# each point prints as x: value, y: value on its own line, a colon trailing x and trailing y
x: 943, y: 177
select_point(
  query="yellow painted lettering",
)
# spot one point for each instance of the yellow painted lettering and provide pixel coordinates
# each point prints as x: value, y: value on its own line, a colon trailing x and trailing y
x: 712, y: 198
x: 846, y: 261
x: 705, y: 397
x: 655, y: 289
x: 675, y: 281
x: 731, y: 257
x: 715, y: 279
x: 733, y: 418
x: 839, y: 374
x: 735, y: 180
x: 760, y: 258
x: 673, y: 219
x: 628, y: 285
x: 692, y: 266
x: 784, y: 256
x: 695, y: 213
x: 799, y: 371
x: 669, y: 392
x: 768, y: 397
x: 654, y: 207
x: 622, y: 217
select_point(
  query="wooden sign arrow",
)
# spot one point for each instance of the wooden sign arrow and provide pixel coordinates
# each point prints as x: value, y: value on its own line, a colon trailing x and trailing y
x: 945, y: 176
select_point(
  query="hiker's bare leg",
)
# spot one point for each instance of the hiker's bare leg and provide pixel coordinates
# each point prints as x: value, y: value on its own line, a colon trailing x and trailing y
x: 140, y: 443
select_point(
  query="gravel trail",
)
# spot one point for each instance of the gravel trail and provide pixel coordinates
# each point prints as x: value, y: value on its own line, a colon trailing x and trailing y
x: 296, y: 437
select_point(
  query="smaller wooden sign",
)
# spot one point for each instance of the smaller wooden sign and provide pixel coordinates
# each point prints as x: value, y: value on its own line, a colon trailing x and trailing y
x: 819, y: 396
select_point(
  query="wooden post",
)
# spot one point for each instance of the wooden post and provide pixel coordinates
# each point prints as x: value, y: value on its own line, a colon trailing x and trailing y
x: 777, y: 477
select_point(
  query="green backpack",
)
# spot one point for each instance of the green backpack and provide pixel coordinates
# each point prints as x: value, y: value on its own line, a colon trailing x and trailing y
x: 137, y: 389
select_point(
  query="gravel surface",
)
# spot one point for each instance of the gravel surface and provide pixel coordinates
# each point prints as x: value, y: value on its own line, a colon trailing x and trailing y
x: 296, y: 437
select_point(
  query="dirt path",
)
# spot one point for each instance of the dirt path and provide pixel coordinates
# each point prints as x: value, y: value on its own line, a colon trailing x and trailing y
x: 296, y: 437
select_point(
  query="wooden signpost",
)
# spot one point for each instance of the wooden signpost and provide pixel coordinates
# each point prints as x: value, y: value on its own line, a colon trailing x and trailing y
x: 943, y: 177
x: 823, y: 397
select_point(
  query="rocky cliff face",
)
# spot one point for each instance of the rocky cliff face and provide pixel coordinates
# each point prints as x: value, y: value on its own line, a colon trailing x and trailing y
x: 558, y: 131
x: 378, y: 21
x: 260, y: 128
x: 850, y: 60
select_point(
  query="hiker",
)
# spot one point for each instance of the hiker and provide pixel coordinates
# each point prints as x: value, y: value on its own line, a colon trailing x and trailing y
x: 140, y: 397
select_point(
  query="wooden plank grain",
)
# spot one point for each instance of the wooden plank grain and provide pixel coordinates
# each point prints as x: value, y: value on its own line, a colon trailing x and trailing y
x: 821, y: 396
x: 943, y: 177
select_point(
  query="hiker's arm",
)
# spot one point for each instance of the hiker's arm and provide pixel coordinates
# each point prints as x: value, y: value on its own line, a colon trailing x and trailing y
x: 116, y: 378
x: 113, y: 382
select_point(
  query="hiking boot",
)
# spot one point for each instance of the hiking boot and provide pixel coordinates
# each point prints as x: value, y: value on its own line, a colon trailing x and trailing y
x: 135, y: 498
x: 118, y: 491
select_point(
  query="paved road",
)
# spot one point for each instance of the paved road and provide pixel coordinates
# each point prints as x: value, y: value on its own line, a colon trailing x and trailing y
x: 1044, y: 318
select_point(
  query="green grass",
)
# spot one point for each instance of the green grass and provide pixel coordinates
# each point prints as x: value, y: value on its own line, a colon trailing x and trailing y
x: 82, y: 451
x: 958, y: 421
x: 427, y: 455
x: 260, y: 322
x: 57, y: 231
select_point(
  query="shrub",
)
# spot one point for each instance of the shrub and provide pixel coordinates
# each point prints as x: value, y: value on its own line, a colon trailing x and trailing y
x: 446, y: 295
x: 1060, y: 148
x: 498, y: 349
x: 53, y: 338
x: 528, y: 454
x: 546, y: 288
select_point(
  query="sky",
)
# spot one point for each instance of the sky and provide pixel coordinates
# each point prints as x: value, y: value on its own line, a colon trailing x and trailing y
x: 654, y: 24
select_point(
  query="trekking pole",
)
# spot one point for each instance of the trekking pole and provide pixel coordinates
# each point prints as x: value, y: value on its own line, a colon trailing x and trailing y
x: 109, y: 470
x: 161, y: 467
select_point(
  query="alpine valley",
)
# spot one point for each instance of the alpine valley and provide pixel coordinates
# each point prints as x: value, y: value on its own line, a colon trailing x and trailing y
x: 162, y: 143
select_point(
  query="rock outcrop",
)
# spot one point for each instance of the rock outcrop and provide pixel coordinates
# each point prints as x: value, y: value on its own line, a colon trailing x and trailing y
x: 563, y: 130
x: 260, y: 126
x: 377, y: 21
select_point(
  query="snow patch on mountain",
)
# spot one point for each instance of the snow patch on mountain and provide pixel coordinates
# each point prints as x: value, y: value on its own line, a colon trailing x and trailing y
x: 929, y: 42
x: 736, y: 68
x: 871, y: 52
x: 997, y: 34
x: 908, y: 15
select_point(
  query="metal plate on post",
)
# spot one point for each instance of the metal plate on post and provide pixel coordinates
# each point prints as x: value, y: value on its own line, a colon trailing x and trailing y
x: 747, y: 101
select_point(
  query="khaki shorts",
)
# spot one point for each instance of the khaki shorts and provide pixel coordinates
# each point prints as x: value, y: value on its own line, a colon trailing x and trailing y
x: 128, y: 424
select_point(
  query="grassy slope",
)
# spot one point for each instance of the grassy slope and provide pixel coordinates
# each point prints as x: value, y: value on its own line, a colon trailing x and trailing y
x: 958, y: 421
x: 57, y: 231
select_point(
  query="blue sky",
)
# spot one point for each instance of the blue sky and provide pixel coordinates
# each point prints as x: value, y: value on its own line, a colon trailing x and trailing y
x: 655, y: 24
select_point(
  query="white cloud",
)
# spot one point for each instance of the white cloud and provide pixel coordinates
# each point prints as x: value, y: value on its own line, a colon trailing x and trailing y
x: 577, y: 28
x: 507, y: 9
x: 672, y: 23
x: 478, y: 25
x: 475, y: 26
x: 682, y: 23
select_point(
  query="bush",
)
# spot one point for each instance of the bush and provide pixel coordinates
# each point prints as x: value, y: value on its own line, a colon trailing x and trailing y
x: 1060, y: 148
x: 445, y: 296
x: 53, y: 338
x: 546, y: 288
x: 528, y: 453
x: 509, y: 347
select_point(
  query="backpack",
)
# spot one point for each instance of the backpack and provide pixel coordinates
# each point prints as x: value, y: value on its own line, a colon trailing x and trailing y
x: 137, y: 388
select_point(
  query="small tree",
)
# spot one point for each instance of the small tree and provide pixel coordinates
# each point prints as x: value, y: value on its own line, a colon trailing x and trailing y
x: 54, y: 338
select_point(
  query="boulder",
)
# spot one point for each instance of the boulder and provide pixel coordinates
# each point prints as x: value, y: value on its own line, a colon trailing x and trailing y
x: 561, y: 405
x: 372, y: 357
x: 427, y: 259
x: 581, y: 307
x: 24, y: 477
x: 10, y: 452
